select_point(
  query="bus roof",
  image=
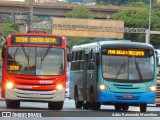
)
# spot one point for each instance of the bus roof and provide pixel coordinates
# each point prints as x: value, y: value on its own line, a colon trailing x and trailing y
x: 36, y: 33
x: 115, y: 43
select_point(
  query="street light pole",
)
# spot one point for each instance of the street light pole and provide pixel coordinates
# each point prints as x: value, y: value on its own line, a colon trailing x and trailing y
x: 30, y: 12
x: 149, y: 24
x: 1, y: 29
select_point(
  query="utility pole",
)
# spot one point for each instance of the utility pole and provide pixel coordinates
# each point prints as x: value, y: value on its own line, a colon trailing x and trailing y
x: 1, y: 28
x: 30, y: 12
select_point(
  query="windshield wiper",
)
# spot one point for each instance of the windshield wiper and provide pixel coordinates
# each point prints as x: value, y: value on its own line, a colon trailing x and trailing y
x: 26, y: 55
x: 45, y: 54
x: 15, y: 53
x: 119, y: 71
x: 138, y: 69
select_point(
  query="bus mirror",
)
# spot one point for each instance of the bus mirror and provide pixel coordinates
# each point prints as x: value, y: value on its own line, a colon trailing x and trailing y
x: 68, y: 54
x: 97, y: 60
x: 3, y: 52
x: 157, y: 58
x: 68, y: 49
x: 69, y: 57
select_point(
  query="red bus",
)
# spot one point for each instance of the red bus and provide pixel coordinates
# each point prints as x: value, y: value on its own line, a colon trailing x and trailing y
x: 34, y: 69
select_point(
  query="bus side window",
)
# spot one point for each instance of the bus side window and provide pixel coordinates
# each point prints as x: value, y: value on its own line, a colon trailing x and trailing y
x: 82, y: 60
x: 73, y: 61
x: 77, y: 60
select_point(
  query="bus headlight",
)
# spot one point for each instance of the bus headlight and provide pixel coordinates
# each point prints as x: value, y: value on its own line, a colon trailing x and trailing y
x: 9, y: 85
x: 152, y: 88
x: 59, y: 87
x: 103, y: 87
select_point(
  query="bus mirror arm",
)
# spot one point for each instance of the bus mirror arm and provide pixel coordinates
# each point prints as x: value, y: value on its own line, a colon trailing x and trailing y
x: 68, y: 54
x: 97, y: 60
x: 68, y: 48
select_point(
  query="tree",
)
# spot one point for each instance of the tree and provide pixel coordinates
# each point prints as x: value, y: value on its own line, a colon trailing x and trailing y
x: 137, y: 4
x: 83, y: 13
x: 80, y: 12
x: 10, y: 28
x: 123, y: 2
x: 139, y: 19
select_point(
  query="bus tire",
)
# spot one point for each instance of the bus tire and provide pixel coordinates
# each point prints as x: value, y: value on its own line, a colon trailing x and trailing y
x: 12, y: 103
x: 78, y: 104
x: 125, y: 107
x: 158, y: 105
x: 55, y: 105
x: 94, y: 105
x: 143, y: 107
x: 86, y: 105
x: 117, y: 107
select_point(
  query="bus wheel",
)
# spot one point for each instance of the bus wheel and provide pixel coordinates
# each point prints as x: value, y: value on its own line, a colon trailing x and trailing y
x: 95, y: 105
x: 78, y: 103
x: 157, y: 105
x: 117, y: 107
x: 12, y: 103
x: 125, y: 107
x: 143, y: 107
x: 55, y: 105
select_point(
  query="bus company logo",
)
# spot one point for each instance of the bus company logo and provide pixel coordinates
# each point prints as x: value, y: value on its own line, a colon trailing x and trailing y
x: 46, y: 82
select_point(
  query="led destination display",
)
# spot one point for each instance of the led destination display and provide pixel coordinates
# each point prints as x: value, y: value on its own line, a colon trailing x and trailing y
x: 124, y: 52
x: 35, y: 40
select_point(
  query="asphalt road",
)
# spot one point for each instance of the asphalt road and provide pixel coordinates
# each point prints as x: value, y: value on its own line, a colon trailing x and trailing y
x: 69, y: 112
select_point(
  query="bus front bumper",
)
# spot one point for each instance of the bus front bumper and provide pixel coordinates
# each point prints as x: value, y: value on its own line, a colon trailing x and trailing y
x: 43, y: 96
x: 147, y: 97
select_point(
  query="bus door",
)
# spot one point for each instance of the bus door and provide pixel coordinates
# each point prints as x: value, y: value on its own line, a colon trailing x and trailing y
x: 81, y: 75
x: 92, y: 76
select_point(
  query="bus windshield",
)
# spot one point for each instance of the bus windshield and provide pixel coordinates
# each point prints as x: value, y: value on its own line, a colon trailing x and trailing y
x: 127, y: 67
x: 35, y: 60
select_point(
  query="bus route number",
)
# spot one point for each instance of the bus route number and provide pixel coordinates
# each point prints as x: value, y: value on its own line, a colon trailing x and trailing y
x: 14, y: 67
x: 21, y: 39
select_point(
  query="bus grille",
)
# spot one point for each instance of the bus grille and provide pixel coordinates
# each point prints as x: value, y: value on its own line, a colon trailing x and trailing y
x: 124, y: 86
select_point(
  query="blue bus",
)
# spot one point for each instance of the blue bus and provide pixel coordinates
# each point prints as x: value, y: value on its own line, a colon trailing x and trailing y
x: 119, y: 73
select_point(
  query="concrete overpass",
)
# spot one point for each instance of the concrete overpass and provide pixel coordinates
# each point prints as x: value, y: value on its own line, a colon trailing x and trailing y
x: 59, y: 9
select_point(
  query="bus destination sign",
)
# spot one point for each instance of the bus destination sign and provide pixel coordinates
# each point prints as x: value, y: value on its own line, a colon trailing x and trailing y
x: 36, y: 40
x: 123, y: 52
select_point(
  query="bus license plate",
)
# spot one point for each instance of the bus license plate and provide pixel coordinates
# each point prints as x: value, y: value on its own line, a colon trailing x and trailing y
x: 127, y: 96
x: 34, y: 94
x: 158, y: 100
